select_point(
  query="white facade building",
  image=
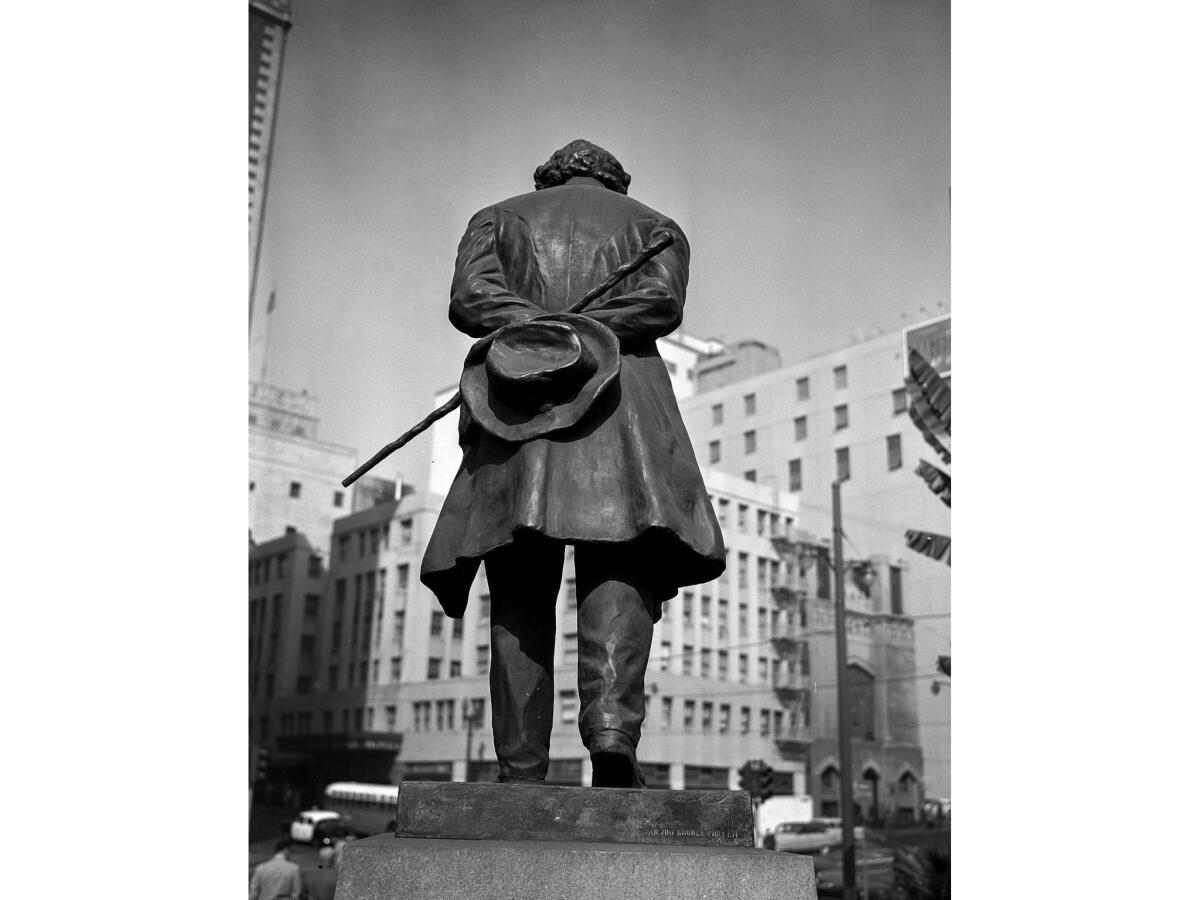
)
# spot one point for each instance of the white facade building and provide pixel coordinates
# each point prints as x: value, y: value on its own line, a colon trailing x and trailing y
x: 844, y: 413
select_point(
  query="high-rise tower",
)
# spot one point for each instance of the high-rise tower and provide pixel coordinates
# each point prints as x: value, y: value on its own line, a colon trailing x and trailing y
x: 269, y: 24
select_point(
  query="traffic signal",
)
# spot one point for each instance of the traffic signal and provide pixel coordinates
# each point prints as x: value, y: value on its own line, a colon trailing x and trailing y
x: 765, y: 778
x: 262, y: 757
x: 749, y: 777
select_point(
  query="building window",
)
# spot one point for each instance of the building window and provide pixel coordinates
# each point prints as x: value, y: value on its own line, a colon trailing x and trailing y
x: 714, y: 452
x: 843, y: 463
x: 893, y: 452
x: 688, y: 653
x: 841, y: 417
x: 749, y: 404
x: 252, y: 487
x: 338, y: 498
x: 435, y: 668
x: 455, y: 668
x: 839, y: 377
x: 396, y: 661
x: 375, y: 672
x: 723, y: 716
x: 743, y: 571
x: 435, y: 624
x: 689, y: 714
x: 750, y: 475
x: 899, y: 401
x: 456, y: 629
x: 743, y: 515
x: 745, y: 721
x: 389, y: 718
x: 485, y: 608
x: 706, y: 717
x: 294, y: 489
x: 666, y: 712
x: 800, y: 428
x: 664, y: 660
x: 570, y: 649
x: 801, y: 388
x: 406, y: 532
x: 718, y: 414
x: 795, y: 481
x: 723, y: 665
x: 764, y: 723
x: 750, y: 440
x: 481, y: 659
x: 569, y: 704
x: 333, y: 678
x: 705, y: 662
x: 896, y: 592
x: 743, y: 667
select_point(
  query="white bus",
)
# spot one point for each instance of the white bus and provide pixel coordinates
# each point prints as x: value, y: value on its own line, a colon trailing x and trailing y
x: 367, y: 808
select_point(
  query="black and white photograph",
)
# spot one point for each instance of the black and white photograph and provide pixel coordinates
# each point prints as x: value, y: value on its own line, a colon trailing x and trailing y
x: 552, y: 497
x: 646, y: 310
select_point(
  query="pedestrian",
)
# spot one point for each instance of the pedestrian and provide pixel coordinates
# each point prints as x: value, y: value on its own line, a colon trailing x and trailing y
x: 319, y: 883
x: 278, y: 878
x: 571, y: 436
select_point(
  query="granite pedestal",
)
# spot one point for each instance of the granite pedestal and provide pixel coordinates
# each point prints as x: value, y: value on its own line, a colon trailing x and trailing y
x: 477, y: 841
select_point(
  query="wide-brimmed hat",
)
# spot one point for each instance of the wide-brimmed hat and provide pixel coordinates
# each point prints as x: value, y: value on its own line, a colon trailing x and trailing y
x: 542, y: 375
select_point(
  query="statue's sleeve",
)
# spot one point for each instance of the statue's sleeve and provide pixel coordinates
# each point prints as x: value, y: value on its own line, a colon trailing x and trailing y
x: 649, y: 303
x: 480, y: 298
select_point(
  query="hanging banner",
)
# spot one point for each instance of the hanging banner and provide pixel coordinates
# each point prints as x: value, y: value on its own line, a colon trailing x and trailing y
x: 935, y: 546
x: 938, y: 481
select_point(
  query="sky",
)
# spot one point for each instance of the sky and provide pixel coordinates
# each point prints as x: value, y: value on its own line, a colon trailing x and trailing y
x: 803, y: 146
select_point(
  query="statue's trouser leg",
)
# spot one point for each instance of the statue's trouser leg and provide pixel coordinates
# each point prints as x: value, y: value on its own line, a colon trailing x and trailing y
x: 615, y: 633
x: 524, y: 580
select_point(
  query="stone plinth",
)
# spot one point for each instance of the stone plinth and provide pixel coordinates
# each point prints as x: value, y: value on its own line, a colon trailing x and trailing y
x: 516, y: 812
x: 385, y: 867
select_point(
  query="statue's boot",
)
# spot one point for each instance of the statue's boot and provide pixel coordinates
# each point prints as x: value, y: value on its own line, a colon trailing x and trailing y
x: 615, y: 633
x: 523, y: 579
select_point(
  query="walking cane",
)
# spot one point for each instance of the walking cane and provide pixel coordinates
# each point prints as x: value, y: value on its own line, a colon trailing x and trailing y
x: 660, y: 242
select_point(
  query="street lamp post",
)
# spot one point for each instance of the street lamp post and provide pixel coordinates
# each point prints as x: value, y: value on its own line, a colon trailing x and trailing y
x: 846, y: 782
x: 471, y: 716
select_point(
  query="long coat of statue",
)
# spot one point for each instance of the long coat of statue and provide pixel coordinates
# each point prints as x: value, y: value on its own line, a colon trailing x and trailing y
x: 626, y: 472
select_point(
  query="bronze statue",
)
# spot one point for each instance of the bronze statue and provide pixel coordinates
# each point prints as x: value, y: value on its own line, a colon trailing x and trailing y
x: 571, y: 435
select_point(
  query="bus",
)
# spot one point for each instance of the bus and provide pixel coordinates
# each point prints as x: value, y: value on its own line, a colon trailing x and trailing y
x: 367, y: 808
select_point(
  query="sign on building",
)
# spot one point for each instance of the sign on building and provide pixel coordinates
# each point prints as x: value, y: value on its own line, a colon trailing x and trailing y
x: 931, y: 339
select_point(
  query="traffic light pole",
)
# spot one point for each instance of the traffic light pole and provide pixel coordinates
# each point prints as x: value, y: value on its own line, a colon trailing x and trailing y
x: 845, y: 764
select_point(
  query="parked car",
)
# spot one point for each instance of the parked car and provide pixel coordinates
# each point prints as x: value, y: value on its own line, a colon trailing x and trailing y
x: 317, y: 826
x: 801, y: 837
x: 835, y: 826
x: 330, y: 831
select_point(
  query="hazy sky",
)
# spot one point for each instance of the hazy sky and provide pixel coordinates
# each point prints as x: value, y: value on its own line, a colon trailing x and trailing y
x: 802, y: 145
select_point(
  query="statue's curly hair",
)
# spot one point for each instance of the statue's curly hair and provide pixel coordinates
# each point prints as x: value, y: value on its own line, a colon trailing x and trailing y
x: 582, y: 158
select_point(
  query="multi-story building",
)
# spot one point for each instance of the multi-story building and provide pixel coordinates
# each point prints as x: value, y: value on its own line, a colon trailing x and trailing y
x: 295, y: 478
x: 287, y: 587
x: 737, y: 670
x: 841, y: 415
x: 269, y: 24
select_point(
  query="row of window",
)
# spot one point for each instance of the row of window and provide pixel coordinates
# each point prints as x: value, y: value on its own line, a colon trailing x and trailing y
x: 260, y: 569
x: 750, y: 401
x: 769, y: 670
x: 372, y: 539
x: 439, y: 715
x: 795, y: 476
x: 295, y: 488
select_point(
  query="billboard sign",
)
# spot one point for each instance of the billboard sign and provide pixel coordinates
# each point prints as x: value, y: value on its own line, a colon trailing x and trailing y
x: 931, y: 339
